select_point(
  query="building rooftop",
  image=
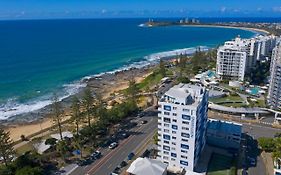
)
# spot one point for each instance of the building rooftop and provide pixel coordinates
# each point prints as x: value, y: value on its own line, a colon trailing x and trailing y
x: 224, y: 126
x: 145, y: 166
x: 185, y: 94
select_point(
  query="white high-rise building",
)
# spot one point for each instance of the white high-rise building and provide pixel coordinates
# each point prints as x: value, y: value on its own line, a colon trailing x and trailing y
x: 274, y: 92
x: 232, y: 58
x: 237, y: 57
x: 182, y: 122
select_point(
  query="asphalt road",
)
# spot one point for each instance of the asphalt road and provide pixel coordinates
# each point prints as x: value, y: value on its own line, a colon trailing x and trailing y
x: 112, y: 158
x: 257, y: 131
x: 251, y: 151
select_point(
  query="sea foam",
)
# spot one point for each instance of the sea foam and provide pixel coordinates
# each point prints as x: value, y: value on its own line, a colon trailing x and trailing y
x: 14, y: 108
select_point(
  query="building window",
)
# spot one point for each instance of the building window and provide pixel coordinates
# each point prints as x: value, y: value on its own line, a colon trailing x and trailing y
x: 167, y: 108
x: 166, y: 125
x: 173, y: 148
x: 185, y: 117
x: 159, y: 123
x: 185, y: 128
x: 185, y: 135
x: 165, y: 157
x: 185, y: 122
x: 185, y: 110
x: 167, y: 142
x: 174, y: 108
x: 166, y: 152
x: 183, y: 151
x: 185, y: 157
x: 167, y: 148
x: 166, y: 130
x: 166, y: 113
x: 172, y: 159
x: 173, y: 154
x: 174, y: 132
x: 174, y: 137
x: 184, y: 146
x: 173, y: 143
x: 167, y: 137
x: 175, y: 127
x: 185, y: 163
x: 167, y: 120
x: 184, y: 140
x: 174, y: 120
x: 174, y: 114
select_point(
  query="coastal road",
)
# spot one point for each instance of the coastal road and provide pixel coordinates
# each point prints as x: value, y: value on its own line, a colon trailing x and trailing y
x: 112, y: 158
x: 254, y: 132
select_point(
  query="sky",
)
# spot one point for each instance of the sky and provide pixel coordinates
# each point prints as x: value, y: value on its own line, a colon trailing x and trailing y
x: 45, y: 9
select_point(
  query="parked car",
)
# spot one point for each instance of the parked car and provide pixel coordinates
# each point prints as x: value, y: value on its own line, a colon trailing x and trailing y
x: 125, y: 135
x: 252, y: 161
x: 113, y: 145
x: 123, y: 164
x: 96, y: 155
x: 130, y: 156
x: 143, y: 121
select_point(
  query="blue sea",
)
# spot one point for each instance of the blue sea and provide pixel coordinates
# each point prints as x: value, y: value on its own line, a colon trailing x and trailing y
x: 39, y: 57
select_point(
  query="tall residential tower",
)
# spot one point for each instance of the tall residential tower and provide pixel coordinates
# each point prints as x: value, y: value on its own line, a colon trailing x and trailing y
x: 182, y: 122
x: 274, y: 93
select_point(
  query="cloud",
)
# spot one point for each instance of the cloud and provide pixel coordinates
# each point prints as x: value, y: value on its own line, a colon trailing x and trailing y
x: 103, y: 11
x: 276, y: 9
x: 223, y: 9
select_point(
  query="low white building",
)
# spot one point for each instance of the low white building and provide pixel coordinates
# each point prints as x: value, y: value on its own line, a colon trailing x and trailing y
x: 145, y: 166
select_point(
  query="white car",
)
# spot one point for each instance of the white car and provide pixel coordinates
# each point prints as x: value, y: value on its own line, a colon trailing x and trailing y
x: 113, y: 145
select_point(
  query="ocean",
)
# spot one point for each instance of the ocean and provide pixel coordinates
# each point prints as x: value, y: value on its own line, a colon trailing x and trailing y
x: 40, y: 57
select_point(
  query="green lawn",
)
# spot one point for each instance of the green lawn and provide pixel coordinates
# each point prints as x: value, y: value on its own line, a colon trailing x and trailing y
x: 220, y: 165
x: 229, y: 98
x: 151, y: 80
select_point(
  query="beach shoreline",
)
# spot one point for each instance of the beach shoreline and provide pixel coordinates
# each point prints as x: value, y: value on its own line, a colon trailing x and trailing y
x: 105, y: 84
x: 260, y: 31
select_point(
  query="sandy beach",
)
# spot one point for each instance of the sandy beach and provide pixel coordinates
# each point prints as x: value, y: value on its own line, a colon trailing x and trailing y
x: 261, y: 31
x: 105, y: 85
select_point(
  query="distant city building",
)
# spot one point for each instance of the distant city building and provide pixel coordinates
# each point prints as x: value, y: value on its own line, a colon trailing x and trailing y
x: 274, y: 92
x: 182, y: 122
x: 145, y: 166
x: 237, y: 57
x: 224, y: 134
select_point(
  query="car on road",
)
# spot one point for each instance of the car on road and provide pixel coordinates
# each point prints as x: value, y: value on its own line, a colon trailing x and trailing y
x: 96, y: 155
x: 244, y: 172
x: 125, y: 135
x: 130, y: 156
x: 143, y: 122
x: 123, y: 164
x: 113, y: 145
x: 252, y: 161
x: 84, y: 162
x: 140, y: 115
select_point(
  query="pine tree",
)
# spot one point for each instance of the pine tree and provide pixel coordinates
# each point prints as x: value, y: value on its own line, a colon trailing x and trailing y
x: 6, y: 147
x: 57, y: 114
x: 76, y: 114
x: 88, y: 101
